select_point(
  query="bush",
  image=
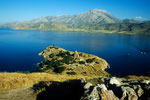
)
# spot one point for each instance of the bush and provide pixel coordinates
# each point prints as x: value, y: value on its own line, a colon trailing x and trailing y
x: 67, y: 59
x: 63, y: 54
x: 59, y: 69
x: 41, y: 70
x: 51, y: 55
x: 90, y: 60
x: 71, y: 73
x: 81, y: 62
x: 80, y: 54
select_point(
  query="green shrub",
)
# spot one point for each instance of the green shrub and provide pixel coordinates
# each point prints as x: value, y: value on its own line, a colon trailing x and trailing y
x: 80, y: 54
x: 56, y: 63
x: 51, y: 55
x: 41, y: 70
x: 71, y: 73
x: 59, y: 69
x: 53, y: 47
x: 67, y: 59
x: 81, y: 62
x: 90, y: 60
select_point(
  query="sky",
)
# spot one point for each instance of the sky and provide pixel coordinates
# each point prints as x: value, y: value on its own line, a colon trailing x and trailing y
x: 21, y: 10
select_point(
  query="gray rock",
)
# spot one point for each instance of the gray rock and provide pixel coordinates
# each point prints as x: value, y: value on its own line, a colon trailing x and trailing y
x: 139, y: 91
x: 91, y: 94
x: 145, y: 81
x: 128, y: 94
x: 83, y: 80
x: 87, y: 85
x: 102, y: 86
x: 114, y: 80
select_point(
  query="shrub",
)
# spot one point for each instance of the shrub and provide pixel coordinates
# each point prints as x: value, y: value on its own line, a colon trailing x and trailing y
x: 59, y: 69
x: 41, y: 70
x: 51, y: 55
x: 90, y: 60
x: 80, y: 54
x: 67, y: 59
x: 71, y: 73
x: 81, y: 62
x: 56, y: 63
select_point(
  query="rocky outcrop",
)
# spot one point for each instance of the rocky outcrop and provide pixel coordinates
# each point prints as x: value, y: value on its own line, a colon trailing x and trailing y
x: 117, y: 89
x: 58, y: 60
x: 76, y: 55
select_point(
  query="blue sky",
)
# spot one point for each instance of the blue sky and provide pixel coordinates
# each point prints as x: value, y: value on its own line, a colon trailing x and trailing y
x: 20, y: 10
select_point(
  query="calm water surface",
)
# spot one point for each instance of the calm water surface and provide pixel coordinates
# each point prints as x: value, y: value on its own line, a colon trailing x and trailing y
x: 126, y: 54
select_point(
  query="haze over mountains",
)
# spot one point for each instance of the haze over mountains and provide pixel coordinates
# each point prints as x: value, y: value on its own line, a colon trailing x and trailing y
x: 94, y: 20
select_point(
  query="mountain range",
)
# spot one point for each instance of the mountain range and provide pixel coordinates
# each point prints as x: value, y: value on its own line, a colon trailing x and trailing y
x: 94, y: 21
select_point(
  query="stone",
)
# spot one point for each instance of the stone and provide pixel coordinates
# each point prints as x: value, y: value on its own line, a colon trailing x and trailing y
x: 76, y: 55
x: 114, y: 80
x: 91, y: 94
x: 128, y: 93
x: 139, y: 91
x: 83, y: 80
x: 145, y: 81
x: 87, y: 85
x: 102, y: 86
x: 107, y: 95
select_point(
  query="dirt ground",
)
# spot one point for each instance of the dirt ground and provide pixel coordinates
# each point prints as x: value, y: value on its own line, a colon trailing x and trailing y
x: 18, y: 94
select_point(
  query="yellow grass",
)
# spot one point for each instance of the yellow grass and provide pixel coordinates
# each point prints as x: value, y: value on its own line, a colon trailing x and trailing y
x: 133, y: 77
x: 19, y: 80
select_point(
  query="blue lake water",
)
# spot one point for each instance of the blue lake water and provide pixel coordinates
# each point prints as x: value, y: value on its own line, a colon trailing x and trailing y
x: 126, y: 54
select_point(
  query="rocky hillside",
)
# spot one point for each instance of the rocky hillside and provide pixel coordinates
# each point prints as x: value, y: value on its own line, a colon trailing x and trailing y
x: 92, y: 21
x: 117, y: 89
x: 42, y: 26
x: 58, y: 60
x: 130, y: 28
x: 94, y: 16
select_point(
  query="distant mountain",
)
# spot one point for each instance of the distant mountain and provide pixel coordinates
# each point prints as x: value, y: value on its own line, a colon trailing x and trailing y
x: 131, y: 21
x: 42, y: 26
x: 131, y: 28
x: 94, y: 21
x: 94, y: 16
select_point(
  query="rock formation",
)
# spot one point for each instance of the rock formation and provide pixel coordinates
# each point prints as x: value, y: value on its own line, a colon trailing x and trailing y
x: 76, y: 55
x: 117, y: 89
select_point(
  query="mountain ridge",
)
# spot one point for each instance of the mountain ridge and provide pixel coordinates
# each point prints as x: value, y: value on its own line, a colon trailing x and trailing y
x: 94, y: 20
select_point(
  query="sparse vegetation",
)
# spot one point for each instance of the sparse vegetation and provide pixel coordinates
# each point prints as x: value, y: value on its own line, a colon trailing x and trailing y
x: 71, y: 73
x: 59, y: 69
x: 18, y: 80
x: 90, y: 60
x: 81, y: 62
x: 56, y: 59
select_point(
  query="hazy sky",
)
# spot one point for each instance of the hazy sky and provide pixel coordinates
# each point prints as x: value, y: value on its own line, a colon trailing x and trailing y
x: 20, y: 10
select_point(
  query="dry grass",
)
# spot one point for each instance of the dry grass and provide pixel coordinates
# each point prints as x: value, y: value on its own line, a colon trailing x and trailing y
x: 134, y: 77
x: 18, y: 80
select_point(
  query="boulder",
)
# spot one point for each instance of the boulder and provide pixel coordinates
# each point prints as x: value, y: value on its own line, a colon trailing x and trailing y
x: 87, y: 85
x: 114, y: 80
x: 128, y: 93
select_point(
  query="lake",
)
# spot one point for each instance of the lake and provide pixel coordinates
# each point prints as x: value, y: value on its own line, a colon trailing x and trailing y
x: 126, y: 54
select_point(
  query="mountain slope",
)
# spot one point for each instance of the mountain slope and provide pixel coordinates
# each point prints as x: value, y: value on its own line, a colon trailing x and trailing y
x: 94, y: 21
x: 94, y: 16
x: 42, y: 26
